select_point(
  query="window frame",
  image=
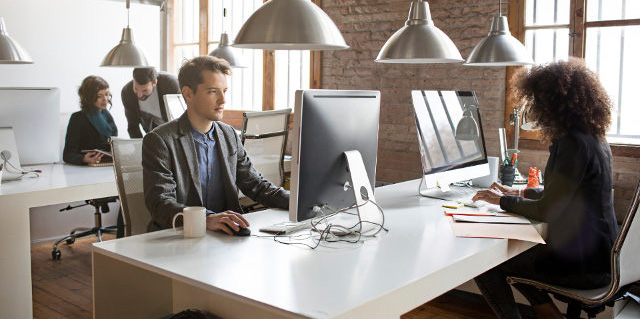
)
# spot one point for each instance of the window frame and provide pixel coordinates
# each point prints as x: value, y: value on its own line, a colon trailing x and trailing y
x: 234, y: 117
x: 577, y: 30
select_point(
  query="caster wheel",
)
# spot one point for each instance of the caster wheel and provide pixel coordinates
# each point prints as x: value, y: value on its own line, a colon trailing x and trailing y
x: 55, y: 255
x: 70, y: 241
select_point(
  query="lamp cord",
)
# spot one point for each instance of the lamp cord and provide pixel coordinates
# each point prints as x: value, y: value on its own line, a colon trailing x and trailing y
x: 128, y: 5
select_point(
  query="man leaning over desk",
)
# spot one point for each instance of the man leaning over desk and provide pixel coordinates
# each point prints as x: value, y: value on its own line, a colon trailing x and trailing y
x: 196, y: 160
x: 143, y: 99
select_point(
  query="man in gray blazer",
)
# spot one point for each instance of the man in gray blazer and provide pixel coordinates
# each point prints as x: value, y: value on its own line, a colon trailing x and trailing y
x: 198, y: 161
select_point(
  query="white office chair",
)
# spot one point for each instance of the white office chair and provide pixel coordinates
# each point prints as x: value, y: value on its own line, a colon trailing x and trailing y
x: 625, y: 258
x: 127, y: 163
x: 174, y: 106
x: 264, y: 136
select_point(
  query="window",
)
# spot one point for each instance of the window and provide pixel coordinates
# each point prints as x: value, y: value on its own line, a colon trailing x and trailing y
x: 196, y: 27
x: 603, y: 32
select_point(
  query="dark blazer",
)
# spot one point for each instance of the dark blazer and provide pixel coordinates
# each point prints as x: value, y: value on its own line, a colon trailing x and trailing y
x: 167, y: 84
x: 576, y: 203
x: 82, y: 135
x: 171, y: 178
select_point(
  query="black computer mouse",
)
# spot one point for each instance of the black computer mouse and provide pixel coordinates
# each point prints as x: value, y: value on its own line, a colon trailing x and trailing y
x: 242, y: 232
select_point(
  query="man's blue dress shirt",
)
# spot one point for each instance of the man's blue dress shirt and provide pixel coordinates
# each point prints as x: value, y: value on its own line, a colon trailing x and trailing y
x: 210, y: 171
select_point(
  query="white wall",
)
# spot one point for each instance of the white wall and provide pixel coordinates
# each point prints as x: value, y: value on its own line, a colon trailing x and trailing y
x: 67, y: 40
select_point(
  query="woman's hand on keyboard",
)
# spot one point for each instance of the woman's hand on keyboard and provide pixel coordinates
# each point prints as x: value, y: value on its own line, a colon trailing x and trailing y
x: 491, y: 196
x: 505, y: 190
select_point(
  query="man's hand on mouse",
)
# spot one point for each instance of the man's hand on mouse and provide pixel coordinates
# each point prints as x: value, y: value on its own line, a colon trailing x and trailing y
x: 228, y: 222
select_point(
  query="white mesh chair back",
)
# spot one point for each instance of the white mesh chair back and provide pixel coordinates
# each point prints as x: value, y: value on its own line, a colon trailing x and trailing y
x: 626, y: 251
x: 264, y: 136
x: 174, y: 106
x: 127, y: 163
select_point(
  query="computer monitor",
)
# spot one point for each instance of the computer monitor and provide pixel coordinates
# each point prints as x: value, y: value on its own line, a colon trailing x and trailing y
x: 34, y: 116
x: 445, y: 159
x: 174, y: 105
x: 326, y: 124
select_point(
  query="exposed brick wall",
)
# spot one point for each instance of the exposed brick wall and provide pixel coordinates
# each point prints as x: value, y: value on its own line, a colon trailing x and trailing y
x: 367, y: 24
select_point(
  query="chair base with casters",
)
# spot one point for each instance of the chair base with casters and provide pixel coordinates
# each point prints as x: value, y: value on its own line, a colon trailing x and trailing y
x: 625, y: 273
x: 101, y: 206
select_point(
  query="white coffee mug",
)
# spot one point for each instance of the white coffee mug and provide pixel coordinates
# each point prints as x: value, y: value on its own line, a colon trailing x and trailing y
x: 195, y: 221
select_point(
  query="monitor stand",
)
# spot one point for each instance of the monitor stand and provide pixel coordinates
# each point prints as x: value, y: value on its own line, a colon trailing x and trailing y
x: 368, y: 213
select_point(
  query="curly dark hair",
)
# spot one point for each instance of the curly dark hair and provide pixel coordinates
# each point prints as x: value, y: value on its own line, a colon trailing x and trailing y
x: 564, y: 96
x: 88, y: 92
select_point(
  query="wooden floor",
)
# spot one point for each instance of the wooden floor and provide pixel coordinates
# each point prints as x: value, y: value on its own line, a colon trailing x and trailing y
x: 62, y: 289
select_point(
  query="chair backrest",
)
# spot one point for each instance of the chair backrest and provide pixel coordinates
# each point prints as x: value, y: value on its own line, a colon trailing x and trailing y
x: 127, y: 163
x: 264, y: 135
x: 626, y: 250
x: 174, y: 105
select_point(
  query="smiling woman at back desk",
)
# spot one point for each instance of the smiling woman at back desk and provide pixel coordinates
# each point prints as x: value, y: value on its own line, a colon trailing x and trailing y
x: 91, y: 127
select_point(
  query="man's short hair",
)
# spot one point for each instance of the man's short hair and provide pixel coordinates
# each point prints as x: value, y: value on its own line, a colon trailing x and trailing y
x: 145, y: 75
x: 191, y: 71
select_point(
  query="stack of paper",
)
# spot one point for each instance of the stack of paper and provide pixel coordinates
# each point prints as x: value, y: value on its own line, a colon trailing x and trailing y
x: 483, y: 223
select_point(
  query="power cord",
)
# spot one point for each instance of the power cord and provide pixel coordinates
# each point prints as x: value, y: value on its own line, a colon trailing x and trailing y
x: 10, y: 168
x: 333, y: 233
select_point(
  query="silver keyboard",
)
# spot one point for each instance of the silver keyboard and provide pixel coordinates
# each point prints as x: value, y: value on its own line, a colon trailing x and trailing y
x: 456, y: 194
x: 285, y: 228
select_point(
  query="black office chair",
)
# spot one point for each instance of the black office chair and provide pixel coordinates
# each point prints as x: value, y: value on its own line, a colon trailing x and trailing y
x: 625, y: 258
x: 101, y: 206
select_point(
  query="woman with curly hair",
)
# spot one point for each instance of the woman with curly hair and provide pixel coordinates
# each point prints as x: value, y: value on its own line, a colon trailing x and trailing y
x: 570, y: 106
x: 91, y: 127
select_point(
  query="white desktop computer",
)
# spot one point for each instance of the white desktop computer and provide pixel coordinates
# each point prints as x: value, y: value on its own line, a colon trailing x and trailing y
x: 445, y: 159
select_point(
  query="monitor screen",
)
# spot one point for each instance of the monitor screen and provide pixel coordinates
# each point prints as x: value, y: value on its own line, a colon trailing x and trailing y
x: 326, y: 124
x: 34, y: 115
x: 175, y: 105
x: 446, y: 159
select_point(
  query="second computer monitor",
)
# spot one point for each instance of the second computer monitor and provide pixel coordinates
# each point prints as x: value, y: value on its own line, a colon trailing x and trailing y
x: 445, y: 158
x: 326, y: 124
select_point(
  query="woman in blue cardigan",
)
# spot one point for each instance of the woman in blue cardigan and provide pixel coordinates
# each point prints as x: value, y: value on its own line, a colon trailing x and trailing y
x: 91, y: 127
x: 572, y: 110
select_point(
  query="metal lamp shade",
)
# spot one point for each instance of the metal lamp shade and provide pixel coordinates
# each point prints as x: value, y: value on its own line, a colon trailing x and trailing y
x: 467, y: 128
x: 290, y: 25
x: 225, y: 51
x: 526, y: 124
x: 499, y: 48
x: 125, y: 54
x: 419, y: 41
x: 10, y: 51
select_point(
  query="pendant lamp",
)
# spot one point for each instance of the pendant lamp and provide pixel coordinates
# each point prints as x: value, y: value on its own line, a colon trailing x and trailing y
x: 499, y: 48
x: 290, y: 25
x: 226, y: 51
x: 419, y: 41
x: 126, y: 53
x: 10, y: 51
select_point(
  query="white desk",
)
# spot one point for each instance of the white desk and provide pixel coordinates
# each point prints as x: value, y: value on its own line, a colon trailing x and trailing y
x: 57, y: 184
x: 151, y: 275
